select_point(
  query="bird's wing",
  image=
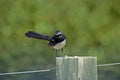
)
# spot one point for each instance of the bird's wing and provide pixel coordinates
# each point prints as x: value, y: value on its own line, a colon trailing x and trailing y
x: 31, y: 34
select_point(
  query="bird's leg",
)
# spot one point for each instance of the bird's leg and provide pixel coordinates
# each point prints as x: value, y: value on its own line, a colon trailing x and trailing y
x: 62, y: 50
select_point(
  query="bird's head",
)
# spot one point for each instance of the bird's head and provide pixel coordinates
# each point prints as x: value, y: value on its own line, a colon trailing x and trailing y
x: 58, y: 34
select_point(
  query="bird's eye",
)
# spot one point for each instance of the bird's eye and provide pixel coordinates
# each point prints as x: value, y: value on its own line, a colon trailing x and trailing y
x: 60, y: 34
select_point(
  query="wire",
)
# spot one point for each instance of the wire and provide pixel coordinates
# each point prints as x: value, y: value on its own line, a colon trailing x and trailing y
x: 110, y: 64
x: 25, y: 72
x: 37, y: 71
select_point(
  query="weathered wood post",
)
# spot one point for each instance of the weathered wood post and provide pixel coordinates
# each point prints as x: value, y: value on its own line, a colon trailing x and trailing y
x: 76, y: 68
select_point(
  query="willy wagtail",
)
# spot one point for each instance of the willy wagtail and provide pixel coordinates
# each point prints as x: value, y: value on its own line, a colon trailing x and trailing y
x: 57, y: 41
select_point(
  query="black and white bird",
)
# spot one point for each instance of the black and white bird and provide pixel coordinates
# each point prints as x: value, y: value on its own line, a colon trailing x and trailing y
x: 57, y: 41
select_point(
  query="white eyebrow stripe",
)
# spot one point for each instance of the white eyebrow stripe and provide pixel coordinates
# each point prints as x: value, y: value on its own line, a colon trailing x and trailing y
x: 58, y: 33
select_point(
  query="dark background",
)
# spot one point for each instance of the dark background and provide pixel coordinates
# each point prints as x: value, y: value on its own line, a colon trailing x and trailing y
x: 92, y: 28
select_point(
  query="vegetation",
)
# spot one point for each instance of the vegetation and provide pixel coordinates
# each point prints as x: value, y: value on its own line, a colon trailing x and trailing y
x: 92, y: 28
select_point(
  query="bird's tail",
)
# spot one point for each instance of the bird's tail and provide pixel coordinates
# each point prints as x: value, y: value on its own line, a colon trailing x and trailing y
x: 31, y: 34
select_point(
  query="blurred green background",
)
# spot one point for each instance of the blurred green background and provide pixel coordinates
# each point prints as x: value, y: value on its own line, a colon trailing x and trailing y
x: 92, y: 28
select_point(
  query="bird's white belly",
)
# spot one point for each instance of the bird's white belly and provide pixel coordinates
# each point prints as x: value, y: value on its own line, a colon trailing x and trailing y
x: 60, y: 45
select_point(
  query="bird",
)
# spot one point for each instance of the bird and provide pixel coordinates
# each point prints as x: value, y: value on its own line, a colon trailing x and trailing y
x: 57, y: 41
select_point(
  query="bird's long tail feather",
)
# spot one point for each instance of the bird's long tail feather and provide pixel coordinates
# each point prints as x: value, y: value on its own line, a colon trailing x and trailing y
x: 31, y: 34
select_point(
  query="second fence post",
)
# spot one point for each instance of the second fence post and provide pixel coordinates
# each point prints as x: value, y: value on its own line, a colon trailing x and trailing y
x: 76, y: 68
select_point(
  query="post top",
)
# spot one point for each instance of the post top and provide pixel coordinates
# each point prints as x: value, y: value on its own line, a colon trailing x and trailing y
x: 75, y: 57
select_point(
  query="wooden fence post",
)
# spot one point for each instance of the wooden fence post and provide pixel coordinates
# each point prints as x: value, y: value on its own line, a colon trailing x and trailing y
x: 76, y: 68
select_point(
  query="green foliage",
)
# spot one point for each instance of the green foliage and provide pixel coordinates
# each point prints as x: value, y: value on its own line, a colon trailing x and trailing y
x: 92, y: 28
